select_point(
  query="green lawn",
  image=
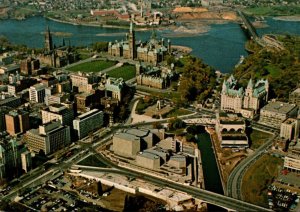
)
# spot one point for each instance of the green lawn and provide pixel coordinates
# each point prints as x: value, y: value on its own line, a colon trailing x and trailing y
x: 177, y: 112
x: 258, y: 177
x: 126, y: 72
x: 258, y: 138
x: 93, y: 66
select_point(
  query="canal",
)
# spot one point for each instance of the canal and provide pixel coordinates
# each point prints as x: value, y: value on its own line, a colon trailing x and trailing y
x: 211, y: 174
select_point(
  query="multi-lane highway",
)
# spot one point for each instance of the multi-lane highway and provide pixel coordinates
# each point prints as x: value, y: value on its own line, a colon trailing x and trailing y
x: 207, y: 196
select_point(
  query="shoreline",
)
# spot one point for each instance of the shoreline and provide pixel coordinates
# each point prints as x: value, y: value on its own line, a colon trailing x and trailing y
x: 292, y: 18
x: 101, y: 26
x: 205, y: 23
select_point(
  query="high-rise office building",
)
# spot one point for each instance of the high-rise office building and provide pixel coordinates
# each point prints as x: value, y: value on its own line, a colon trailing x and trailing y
x: 37, y: 93
x: 49, y: 137
x: 88, y: 122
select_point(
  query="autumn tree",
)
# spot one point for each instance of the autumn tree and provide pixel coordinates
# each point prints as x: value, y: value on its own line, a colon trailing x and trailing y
x: 197, y: 80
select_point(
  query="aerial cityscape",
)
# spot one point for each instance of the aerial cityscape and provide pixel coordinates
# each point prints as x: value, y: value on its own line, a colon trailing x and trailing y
x: 143, y: 105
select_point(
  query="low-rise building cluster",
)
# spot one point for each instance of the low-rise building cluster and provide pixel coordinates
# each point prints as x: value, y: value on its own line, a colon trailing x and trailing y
x: 43, y: 110
x: 153, y: 151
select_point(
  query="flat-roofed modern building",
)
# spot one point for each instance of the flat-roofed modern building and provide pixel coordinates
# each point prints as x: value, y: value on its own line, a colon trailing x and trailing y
x: 57, y: 98
x: 126, y: 145
x: 289, y: 129
x: 87, y: 122
x: 37, y: 93
x: 274, y: 113
x: 292, y: 161
x: 12, y: 101
x: 58, y: 112
x: 17, y: 121
x: 178, y: 161
x: 26, y: 161
x: 48, y: 137
x: 145, y: 135
x: 148, y: 160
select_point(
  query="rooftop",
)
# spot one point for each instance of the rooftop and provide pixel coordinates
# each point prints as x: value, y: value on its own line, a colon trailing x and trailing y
x: 180, y: 158
x: 149, y: 155
x: 230, y: 118
x: 290, y: 121
x: 279, y: 107
x: 127, y: 137
x: 38, y: 86
x: 82, y: 116
x: 138, y: 132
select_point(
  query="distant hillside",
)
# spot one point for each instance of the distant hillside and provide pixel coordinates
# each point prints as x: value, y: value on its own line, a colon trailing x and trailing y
x: 281, y: 68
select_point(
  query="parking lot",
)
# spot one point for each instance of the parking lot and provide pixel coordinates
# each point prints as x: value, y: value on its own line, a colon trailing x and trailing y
x: 51, y: 197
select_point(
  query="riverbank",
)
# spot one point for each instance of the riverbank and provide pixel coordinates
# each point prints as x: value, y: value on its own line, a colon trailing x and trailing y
x: 187, y: 28
x: 104, y: 25
x: 294, y: 18
x: 183, y: 49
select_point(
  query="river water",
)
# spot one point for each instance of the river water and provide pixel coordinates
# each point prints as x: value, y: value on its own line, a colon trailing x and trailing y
x: 221, y: 47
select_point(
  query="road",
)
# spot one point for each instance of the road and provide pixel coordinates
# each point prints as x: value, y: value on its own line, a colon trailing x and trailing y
x: 234, y: 181
x: 262, y: 127
x: 210, y: 197
x: 40, y: 176
x: 207, y: 196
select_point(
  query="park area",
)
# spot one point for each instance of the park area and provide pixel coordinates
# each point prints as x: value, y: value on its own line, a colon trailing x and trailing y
x: 126, y: 72
x: 92, y: 66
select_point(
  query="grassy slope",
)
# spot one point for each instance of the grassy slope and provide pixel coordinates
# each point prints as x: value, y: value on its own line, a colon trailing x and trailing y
x: 258, y: 138
x: 258, y: 177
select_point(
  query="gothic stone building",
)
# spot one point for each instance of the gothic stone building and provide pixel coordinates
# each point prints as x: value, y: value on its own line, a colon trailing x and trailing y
x: 152, y: 51
x: 246, y: 102
x: 56, y: 57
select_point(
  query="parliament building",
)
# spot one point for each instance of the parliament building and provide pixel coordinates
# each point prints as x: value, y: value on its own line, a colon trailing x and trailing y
x: 152, y: 51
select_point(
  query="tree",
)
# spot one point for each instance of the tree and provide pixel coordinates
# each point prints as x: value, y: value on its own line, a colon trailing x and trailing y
x: 100, y: 46
x: 197, y: 79
x: 190, y: 137
x: 176, y: 123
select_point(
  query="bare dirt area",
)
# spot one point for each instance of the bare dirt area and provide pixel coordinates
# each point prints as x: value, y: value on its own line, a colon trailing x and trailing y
x: 4, y: 12
x: 209, y: 15
x: 183, y: 49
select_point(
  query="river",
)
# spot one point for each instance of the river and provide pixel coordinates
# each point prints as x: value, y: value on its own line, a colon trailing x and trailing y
x: 220, y: 47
